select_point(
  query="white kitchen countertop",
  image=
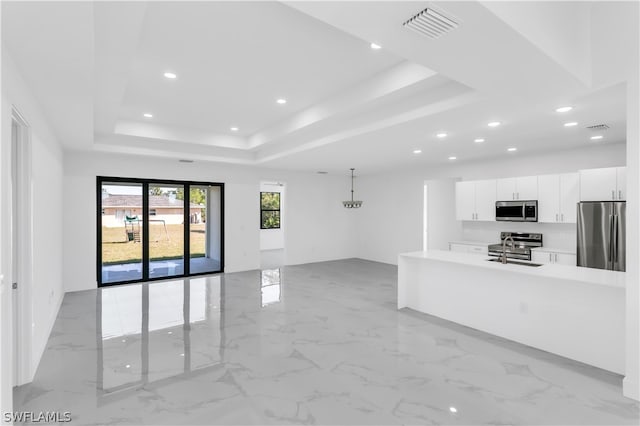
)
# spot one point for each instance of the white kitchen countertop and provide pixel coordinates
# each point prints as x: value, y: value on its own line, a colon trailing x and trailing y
x: 554, y: 250
x: 564, y: 272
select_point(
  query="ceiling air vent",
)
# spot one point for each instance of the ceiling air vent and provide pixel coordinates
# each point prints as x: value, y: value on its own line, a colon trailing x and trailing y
x: 431, y: 23
x: 598, y: 127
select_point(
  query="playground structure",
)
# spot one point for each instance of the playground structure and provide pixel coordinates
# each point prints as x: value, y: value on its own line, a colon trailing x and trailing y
x: 133, y: 228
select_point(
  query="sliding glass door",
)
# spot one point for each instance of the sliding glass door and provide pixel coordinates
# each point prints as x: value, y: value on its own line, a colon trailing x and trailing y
x: 152, y: 229
x: 121, y: 231
x: 166, y: 219
x: 205, y: 218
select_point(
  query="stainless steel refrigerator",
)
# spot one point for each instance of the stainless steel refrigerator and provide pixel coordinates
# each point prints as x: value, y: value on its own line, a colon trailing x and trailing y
x: 602, y: 235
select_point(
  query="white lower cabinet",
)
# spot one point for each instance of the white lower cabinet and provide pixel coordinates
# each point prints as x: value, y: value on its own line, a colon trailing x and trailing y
x: 560, y: 258
x: 469, y: 248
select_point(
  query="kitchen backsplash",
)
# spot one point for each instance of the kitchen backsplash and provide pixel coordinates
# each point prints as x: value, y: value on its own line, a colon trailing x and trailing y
x: 554, y: 235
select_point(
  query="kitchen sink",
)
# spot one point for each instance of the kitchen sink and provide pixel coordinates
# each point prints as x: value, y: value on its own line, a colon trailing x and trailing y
x: 514, y: 262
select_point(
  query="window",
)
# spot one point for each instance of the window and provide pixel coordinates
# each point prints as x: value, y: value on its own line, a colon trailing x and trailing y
x: 269, y: 210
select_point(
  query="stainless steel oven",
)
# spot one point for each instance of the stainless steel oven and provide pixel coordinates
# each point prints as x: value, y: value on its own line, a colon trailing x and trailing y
x: 517, y: 211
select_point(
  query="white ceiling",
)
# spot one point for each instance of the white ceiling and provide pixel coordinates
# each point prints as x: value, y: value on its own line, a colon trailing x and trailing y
x: 348, y: 105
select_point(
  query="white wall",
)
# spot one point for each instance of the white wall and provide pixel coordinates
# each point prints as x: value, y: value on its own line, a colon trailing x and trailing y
x: 442, y: 226
x: 631, y: 382
x: 272, y: 239
x: 318, y: 228
x: 46, y: 186
x: 390, y: 221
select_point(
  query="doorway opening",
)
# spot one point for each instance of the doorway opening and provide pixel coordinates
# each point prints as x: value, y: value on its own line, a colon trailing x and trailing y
x: 272, y: 224
x: 21, y: 244
x: 152, y: 229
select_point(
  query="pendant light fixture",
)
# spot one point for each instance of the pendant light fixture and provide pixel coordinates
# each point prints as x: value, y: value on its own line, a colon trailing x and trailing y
x: 352, y: 204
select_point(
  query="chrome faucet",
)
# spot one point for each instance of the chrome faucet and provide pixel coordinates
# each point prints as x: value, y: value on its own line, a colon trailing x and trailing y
x: 504, y: 248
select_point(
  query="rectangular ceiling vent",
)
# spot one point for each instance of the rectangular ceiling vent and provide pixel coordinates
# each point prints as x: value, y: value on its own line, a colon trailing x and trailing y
x: 598, y: 127
x: 431, y: 23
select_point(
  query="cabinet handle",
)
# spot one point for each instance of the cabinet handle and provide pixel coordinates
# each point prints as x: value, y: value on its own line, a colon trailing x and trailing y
x: 517, y: 195
x: 619, y: 194
x: 613, y: 194
x: 556, y: 217
x: 556, y: 257
x: 561, y: 217
x: 550, y: 258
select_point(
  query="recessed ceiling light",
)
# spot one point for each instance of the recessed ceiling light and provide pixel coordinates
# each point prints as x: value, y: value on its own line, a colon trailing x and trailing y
x: 453, y: 409
x: 512, y: 149
x: 594, y: 138
x: 234, y: 129
x: 170, y: 75
x: 127, y: 366
x: 442, y: 135
x: 281, y: 101
x: 375, y: 46
x: 479, y: 140
x: 564, y: 109
x: 147, y: 115
x: 452, y: 157
x: 493, y: 124
x: 571, y: 124
x: 417, y: 151
x: 181, y: 354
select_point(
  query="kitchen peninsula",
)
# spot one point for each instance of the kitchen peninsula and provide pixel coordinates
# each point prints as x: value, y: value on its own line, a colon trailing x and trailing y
x: 575, y: 312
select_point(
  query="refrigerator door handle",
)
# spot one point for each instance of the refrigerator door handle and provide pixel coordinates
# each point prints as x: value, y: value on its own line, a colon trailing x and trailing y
x: 614, y: 241
x: 610, y: 248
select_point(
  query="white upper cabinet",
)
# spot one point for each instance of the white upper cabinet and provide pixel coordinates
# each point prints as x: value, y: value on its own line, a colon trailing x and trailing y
x: 549, y: 198
x: 569, y: 197
x: 486, y: 200
x: 466, y: 200
x: 506, y: 189
x: 527, y: 188
x: 519, y: 188
x: 557, y: 198
x: 476, y: 200
x: 607, y: 184
x: 621, y: 181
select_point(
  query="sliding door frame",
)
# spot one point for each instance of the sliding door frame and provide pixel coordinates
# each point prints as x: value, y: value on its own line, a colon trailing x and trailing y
x: 145, y: 226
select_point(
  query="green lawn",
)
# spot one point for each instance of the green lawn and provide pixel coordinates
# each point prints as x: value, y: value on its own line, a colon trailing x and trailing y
x: 169, y: 245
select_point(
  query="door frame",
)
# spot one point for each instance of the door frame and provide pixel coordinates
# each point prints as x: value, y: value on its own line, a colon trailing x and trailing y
x: 186, y: 184
x: 23, y: 309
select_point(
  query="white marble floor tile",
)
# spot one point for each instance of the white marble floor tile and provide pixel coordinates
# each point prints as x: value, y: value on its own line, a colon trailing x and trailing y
x: 312, y: 344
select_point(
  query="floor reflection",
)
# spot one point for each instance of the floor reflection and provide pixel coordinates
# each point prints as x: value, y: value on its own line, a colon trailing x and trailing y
x: 270, y: 283
x: 153, y: 332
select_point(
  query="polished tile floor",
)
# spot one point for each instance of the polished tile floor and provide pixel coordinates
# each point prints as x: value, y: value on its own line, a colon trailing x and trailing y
x: 312, y: 344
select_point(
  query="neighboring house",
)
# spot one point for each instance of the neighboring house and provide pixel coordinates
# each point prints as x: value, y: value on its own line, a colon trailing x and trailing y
x: 161, y: 208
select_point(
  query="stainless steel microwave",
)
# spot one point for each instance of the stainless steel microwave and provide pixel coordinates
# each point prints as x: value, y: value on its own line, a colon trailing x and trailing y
x: 517, y: 211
